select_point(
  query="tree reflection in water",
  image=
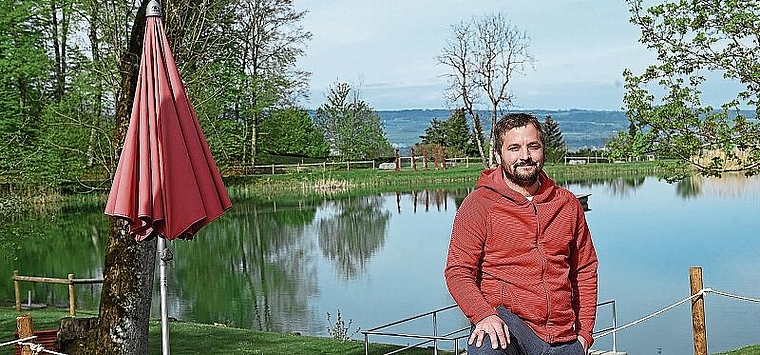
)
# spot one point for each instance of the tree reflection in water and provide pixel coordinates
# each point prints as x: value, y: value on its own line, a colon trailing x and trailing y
x: 251, y: 269
x: 353, y: 233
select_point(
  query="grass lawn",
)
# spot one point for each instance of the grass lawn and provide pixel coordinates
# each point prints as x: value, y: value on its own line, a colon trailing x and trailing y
x: 749, y: 350
x: 194, y: 338
x: 360, y: 181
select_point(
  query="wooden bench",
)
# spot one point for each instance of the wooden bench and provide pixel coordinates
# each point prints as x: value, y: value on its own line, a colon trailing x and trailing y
x: 45, y: 337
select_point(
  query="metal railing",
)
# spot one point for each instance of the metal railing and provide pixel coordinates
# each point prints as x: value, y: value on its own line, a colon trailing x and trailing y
x: 434, y: 338
x: 457, y: 334
x: 611, y: 303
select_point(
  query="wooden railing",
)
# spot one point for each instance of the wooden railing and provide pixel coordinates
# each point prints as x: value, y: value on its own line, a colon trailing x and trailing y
x: 70, y: 280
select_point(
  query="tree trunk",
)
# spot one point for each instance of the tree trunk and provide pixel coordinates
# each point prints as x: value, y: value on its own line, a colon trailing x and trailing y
x: 126, y: 297
x: 492, y: 139
x: 97, y: 103
x: 254, y: 135
x: 478, y: 128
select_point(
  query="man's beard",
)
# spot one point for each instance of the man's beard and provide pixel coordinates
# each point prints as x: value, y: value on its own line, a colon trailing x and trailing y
x: 519, y: 178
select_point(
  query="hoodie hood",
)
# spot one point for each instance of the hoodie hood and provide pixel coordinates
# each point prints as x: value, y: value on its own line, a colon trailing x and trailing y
x: 493, y: 179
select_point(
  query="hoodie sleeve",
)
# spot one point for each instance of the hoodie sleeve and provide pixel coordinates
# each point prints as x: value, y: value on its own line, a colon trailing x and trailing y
x: 583, y: 278
x: 468, y: 237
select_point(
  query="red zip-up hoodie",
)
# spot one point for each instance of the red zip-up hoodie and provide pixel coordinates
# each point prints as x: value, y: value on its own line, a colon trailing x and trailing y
x: 534, y: 257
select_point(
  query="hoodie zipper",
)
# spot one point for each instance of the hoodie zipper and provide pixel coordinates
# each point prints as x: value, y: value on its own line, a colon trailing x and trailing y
x: 543, y: 270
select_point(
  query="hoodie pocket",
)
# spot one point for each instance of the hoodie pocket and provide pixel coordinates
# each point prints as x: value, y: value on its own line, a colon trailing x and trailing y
x: 508, y: 298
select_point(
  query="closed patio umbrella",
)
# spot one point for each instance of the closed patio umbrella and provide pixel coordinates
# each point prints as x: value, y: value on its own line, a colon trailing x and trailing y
x: 166, y: 183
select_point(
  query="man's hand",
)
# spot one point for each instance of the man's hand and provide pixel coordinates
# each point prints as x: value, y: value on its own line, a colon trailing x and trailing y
x: 582, y: 340
x: 496, y: 329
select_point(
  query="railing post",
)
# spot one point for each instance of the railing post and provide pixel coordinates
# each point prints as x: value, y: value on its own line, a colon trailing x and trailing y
x: 614, y: 326
x: 435, y: 332
x: 72, y: 301
x: 698, y: 311
x: 17, y: 290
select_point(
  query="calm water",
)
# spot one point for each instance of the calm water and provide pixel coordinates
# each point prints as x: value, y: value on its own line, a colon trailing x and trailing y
x: 379, y: 258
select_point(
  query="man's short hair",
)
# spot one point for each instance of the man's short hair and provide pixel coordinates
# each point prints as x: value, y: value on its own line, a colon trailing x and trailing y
x: 514, y: 120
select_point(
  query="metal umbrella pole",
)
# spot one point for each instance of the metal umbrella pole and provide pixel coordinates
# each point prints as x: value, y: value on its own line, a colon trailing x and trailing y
x: 164, y: 255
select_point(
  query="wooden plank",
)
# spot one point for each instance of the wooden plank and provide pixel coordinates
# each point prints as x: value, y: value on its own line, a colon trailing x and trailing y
x: 49, y: 280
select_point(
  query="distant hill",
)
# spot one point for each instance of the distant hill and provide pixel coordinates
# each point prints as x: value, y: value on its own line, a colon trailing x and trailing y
x: 580, y: 128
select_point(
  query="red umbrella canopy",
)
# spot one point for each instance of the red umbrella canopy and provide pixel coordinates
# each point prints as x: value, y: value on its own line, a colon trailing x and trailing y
x: 166, y: 181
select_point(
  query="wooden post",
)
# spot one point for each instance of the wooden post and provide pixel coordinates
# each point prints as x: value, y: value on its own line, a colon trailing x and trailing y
x: 698, y: 311
x: 72, y: 301
x: 17, y: 291
x: 414, y: 160
x: 25, y: 330
x: 397, y: 161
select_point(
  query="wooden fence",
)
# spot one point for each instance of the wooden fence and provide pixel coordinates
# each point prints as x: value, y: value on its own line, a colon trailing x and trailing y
x: 408, y: 162
x: 71, y: 281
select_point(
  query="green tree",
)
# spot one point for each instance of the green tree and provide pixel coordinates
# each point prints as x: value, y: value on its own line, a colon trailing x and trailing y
x: 23, y: 70
x: 435, y: 133
x: 268, y: 41
x: 453, y: 133
x: 554, y: 145
x: 291, y: 131
x: 352, y: 128
x: 697, y: 42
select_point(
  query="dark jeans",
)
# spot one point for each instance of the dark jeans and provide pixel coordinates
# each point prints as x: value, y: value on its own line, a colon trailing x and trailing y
x: 523, y: 341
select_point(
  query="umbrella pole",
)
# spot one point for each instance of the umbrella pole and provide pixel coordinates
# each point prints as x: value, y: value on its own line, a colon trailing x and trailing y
x: 162, y: 280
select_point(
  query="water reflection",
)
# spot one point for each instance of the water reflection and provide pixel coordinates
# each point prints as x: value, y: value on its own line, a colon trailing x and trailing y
x: 621, y: 187
x: 252, y: 269
x: 351, y: 231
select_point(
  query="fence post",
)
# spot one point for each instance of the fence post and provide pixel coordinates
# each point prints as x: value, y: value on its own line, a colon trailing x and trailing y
x: 25, y: 330
x: 698, y: 311
x: 72, y: 301
x: 17, y: 290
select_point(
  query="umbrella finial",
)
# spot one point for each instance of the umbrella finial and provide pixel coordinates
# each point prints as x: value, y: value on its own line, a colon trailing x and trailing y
x: 153, y: 9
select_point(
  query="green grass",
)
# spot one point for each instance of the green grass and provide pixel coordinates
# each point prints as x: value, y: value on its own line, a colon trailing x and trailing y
x: 749, y: 350
x: 362, y: 181
x: 193, y: 338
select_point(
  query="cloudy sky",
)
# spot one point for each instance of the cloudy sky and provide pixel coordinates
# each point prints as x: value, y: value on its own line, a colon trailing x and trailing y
x: 389, y: 49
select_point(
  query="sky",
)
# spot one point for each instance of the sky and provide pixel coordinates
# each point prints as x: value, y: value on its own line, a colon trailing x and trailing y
x: 388, y: 49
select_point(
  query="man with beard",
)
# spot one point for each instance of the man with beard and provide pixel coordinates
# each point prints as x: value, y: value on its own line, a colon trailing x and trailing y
x: 521, y: 264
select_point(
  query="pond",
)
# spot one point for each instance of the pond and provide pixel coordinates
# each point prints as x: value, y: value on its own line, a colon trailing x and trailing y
x: 283, y: 266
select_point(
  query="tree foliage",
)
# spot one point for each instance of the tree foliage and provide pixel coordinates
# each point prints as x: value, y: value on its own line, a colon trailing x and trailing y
x: 697, y: 43
x: 352, y: 128
x: 453, y: 134
x: 65, y: 103
x: 291, y: 131
x: 554, y: 144
x: 23, y: 73
x: 483, y: 55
